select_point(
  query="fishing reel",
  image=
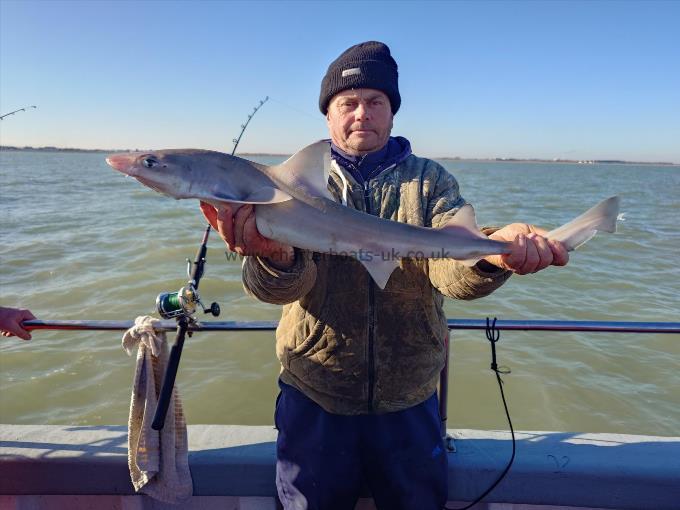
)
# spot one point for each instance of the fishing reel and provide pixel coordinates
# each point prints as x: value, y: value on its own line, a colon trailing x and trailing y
x: 183, y: 303
x: 170, y: 305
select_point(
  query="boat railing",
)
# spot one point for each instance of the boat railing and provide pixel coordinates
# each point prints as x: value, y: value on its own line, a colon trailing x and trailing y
x: 453, y: 324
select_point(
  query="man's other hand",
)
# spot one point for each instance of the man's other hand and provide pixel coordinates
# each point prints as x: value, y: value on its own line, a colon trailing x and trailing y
x: 531, y: 250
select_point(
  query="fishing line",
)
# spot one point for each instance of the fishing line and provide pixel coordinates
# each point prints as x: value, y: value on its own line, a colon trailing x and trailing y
x: 297, y: 110
x: 493, y: 335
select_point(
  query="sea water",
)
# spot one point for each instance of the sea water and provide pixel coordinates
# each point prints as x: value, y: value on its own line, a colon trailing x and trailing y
x: 80, y: 241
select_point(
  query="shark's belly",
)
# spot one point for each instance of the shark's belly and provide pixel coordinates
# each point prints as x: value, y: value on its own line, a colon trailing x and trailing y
x: 337, y: 230
x: 301, y: 225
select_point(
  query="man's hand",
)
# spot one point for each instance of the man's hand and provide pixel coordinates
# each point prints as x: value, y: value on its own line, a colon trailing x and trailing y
x: 236, y: 225
x: 531, y: 250
x: 10, y: 322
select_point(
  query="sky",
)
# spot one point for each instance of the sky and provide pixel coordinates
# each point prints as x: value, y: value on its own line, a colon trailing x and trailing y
x: 569, y: 80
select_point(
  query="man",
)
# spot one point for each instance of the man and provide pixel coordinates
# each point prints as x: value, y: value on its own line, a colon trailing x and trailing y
x: 360, y: 365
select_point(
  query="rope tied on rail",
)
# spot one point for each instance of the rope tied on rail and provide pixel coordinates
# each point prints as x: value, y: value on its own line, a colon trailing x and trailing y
x: 158, y: 460
x: 493, y: 334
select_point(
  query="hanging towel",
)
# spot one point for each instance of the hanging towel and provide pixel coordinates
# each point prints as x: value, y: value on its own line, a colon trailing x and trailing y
x: 158, y: 460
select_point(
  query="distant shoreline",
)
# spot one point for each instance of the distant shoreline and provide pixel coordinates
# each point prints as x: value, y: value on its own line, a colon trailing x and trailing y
x: 443, y: 158
x: 110, y: 151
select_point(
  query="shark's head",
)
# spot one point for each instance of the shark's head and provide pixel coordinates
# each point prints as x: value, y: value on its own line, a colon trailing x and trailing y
x: 163, y: 171
x: 194, y: 173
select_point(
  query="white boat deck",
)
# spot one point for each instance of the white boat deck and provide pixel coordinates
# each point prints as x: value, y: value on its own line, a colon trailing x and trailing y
x: 85, y: 467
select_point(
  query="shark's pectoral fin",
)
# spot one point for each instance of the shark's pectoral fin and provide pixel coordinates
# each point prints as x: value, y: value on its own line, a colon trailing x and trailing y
x: 262, y: 195
x: 380, y: 270
x: 307, y: 170
x: 268, y: 195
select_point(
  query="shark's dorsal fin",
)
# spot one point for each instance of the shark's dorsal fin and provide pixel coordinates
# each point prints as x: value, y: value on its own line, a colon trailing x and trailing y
x: 464, y: 223
x: 306, y: 171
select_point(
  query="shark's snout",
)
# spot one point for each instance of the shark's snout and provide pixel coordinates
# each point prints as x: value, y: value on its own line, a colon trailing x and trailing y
x: 120, y: 162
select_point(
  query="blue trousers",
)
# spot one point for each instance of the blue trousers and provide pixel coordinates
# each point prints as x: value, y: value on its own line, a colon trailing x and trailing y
x: 324, y: 459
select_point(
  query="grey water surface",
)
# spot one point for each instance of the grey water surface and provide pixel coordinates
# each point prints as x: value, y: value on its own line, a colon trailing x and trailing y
x: 79, y: 241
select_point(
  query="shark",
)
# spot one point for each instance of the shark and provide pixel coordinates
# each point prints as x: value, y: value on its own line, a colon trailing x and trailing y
x: 295, y: 207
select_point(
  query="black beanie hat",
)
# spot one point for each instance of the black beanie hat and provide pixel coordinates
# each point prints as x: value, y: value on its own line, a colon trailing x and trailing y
x: 367, y: 65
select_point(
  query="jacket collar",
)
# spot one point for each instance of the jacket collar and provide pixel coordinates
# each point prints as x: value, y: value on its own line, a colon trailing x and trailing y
x: 395, y: 151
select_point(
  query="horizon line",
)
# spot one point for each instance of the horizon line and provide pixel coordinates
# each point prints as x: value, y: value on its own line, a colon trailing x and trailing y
x: 50, y: 148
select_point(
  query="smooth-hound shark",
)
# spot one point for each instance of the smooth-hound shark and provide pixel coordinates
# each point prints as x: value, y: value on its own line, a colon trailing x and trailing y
x: 294, y: 207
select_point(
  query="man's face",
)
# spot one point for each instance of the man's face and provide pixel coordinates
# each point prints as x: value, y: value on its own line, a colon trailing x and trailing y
x: 360, y: 120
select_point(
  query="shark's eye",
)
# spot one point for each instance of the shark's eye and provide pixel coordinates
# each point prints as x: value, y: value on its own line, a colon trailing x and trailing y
x: 149, y: 162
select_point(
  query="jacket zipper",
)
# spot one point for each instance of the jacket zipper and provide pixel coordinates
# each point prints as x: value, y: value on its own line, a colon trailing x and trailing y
x: 371, y: 293
x: 371, y: 318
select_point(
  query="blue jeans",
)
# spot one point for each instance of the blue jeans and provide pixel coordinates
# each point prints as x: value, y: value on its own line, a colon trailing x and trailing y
x: 324, y: 459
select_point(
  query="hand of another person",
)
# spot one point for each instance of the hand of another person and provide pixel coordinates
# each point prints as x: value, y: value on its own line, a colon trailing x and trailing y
x: 236, y: 225
x: 531, y: 250
x: 10, y: 322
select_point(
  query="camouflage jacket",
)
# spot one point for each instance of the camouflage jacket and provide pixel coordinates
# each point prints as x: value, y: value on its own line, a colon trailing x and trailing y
x: 343, y: 342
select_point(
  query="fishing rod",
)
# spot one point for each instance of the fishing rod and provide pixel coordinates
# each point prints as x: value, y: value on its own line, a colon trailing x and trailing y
x: 15, y: 111
x: 244, y: 126
x: 181, y: 306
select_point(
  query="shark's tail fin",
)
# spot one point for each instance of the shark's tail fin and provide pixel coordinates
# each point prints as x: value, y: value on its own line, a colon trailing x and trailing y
x: 601, y: 218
